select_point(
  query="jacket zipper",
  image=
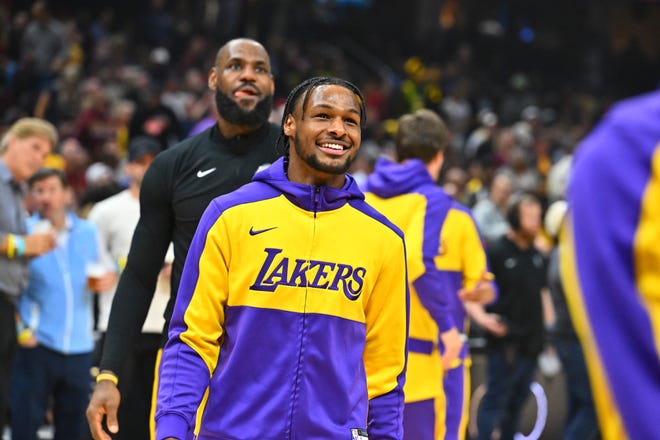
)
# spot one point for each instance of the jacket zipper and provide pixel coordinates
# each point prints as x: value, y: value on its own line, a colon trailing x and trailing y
x: 317, y: 199
x: 301, y: 350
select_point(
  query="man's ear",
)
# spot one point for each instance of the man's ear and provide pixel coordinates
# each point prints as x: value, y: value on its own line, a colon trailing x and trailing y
x: 289, y: 125
x: 438, y: 159
x: 213, y: 78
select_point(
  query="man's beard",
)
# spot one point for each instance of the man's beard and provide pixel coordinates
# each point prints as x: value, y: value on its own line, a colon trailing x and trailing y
x: 233, y: 113
x: 313, y: 161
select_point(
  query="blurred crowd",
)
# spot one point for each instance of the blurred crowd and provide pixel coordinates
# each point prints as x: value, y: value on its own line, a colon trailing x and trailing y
x: 104, y: 74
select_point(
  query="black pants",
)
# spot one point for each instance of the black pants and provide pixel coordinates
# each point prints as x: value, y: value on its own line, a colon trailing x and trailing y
x: 8, y: 346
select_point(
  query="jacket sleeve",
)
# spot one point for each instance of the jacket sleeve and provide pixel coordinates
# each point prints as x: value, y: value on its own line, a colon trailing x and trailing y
x: 609, y: 259
x: 196, y: 329
x: 137, y: 283
x: 432, y: 286
x: 387, y: 315
x: 474, y: 264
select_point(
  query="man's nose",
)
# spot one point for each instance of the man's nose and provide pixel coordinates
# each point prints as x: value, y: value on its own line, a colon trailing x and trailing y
x: 337, y: 126
x: 248, y: 74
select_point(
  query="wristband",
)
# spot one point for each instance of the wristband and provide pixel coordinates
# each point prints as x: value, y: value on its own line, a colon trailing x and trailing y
x: 24, y: 335
x: 19, y: 245
x: 107, y: 376
x: 11, y: 246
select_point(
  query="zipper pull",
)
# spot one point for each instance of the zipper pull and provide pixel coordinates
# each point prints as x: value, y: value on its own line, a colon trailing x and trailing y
x: 317, y: 199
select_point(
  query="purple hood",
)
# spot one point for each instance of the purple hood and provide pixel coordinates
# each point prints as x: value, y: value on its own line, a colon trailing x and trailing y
x: 391, y: 179
x: 309, y: 197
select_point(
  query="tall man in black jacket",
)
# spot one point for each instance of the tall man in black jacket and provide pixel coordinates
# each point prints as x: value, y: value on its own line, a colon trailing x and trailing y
x: 175, y: 191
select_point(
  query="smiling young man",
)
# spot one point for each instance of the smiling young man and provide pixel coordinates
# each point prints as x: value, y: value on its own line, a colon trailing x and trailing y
x: 293, y: 304
x: 175, y: 190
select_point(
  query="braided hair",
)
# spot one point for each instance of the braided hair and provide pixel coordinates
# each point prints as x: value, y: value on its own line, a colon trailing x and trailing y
x: 303, y: 90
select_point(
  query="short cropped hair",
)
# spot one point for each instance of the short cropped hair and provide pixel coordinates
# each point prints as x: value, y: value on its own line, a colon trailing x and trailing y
x: 45, y: 173
x: 421, y: 135
x: 26, y: 127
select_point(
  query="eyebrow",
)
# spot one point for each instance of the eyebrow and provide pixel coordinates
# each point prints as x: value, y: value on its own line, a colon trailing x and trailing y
x: 243, y: 60
x: 328, y: 106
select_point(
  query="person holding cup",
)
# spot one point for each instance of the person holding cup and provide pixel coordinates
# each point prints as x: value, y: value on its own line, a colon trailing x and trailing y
x: 56, y: 342
x: 23, y: 148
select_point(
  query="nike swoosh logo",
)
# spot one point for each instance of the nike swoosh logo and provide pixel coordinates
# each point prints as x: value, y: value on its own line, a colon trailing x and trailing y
x: 259, y: 231
x: 201, y: 173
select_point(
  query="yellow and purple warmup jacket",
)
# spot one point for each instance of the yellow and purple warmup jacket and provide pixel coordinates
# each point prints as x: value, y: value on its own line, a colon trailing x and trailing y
x: 445, y: 253
x: 610, y: 264
x: 293, y: 311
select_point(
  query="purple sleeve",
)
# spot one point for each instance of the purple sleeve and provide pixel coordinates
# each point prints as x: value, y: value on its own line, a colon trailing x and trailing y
x: 433, y: 289
x: 433, y: 297
x: 386, y: 415
x: 613, y: 200
x: 183, y: 375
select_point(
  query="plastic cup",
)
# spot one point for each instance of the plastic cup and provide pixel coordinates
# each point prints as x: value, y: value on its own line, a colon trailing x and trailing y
x: 95, y: 272
x: 42, y: 226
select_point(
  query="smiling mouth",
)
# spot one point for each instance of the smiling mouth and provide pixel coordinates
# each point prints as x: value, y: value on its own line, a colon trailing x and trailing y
x: 333, y: 148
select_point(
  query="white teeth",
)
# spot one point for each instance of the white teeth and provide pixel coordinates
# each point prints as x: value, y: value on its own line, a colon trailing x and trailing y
x: 333, y: 146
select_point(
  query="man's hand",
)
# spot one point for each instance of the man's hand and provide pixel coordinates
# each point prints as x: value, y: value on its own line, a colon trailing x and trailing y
x: 39, y: 243
x: 483, y: 292
x: 26, y: 339
x: 453, y: 343
x: 492, y: 322
x: 106, y: 282
x: 104, y: 402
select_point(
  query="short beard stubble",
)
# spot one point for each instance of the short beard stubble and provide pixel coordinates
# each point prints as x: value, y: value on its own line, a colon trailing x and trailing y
x: 313, y: 161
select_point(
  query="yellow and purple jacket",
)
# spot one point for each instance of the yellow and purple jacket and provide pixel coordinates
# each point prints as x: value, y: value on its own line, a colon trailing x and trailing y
x: 293, y: 311
x: 445, y: 253
x: 610, y: 265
